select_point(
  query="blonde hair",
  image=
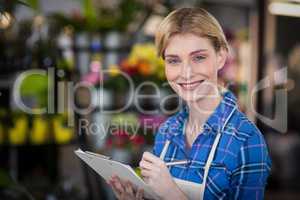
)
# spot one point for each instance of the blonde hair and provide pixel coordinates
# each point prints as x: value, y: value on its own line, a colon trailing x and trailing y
x: 190, y: 20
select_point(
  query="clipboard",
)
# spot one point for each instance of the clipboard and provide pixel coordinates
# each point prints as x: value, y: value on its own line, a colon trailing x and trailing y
x: 106, y: 167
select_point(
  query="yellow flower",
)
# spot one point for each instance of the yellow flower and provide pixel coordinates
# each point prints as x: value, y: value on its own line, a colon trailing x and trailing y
x: 114, y: 70
x: 132, y: 61
x: 145, y: 51
x: 39, y: 134
x: 18, y: 134
x: 62, y: 134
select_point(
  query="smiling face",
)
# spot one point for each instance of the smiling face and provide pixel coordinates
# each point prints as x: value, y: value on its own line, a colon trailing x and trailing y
x: 191, y: 66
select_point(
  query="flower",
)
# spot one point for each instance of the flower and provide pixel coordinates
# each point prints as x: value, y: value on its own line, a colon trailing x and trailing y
x: 151, y: 121
x: 114, y: 70
x: 141, y: 64
x: 121, y: 139
x: 128, y: 67
x: 145, y: 69
x: 138, y: 140
x: 144, y: 56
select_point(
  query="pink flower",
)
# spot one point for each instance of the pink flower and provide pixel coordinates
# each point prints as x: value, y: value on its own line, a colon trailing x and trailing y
x: 151, y: 121
x: 138, y: 140
x: 120, y: 138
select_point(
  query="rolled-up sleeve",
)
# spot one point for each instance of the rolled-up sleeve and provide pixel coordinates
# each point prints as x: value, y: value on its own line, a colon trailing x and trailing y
x: 249, y: 178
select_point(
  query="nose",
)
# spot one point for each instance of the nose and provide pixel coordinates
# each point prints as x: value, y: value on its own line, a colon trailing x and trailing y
x: 186, y: 70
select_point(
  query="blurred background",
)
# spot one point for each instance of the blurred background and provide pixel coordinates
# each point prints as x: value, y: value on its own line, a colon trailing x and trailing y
x: 61, y: 70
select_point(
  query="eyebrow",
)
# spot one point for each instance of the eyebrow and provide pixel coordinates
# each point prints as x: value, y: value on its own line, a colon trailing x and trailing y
x: 198, y: 51
x: 192, y: 53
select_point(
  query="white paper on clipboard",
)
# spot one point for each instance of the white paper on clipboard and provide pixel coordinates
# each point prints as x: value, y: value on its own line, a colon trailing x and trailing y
x: 106, y: 168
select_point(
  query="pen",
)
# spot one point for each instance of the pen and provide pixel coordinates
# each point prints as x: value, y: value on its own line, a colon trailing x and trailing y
x: 179, y: 162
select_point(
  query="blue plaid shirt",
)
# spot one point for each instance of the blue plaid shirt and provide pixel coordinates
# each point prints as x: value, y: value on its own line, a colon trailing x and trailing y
x: 241, y: 164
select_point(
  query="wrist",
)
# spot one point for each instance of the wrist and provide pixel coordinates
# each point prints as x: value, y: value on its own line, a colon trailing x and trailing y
x: 176, y: 194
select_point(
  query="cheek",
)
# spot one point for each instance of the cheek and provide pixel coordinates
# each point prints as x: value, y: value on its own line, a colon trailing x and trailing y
x: 207, y: 68
x: 172, y: 73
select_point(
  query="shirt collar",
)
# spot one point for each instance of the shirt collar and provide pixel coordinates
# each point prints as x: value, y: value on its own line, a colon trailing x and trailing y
x: 216, y: 122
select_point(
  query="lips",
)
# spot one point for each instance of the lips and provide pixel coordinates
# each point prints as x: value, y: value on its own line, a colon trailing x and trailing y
x: 190, y: 85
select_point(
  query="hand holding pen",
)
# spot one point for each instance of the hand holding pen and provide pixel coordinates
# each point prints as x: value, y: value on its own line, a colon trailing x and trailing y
x: 156, y: 174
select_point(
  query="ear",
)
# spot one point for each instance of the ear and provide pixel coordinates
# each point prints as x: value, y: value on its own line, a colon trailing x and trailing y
x: 221, y: 58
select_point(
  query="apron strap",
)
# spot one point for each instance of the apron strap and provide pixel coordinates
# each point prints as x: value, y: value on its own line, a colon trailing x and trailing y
x: 210, y: 157
x: 164, y: 151
x: 214, y: 148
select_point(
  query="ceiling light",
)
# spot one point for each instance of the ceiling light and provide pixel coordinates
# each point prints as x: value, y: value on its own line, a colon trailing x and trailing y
x: 287, y: 9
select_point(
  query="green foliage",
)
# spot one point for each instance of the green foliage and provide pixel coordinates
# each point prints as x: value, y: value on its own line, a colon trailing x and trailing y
x: 34, y: 4
x: 9, y: 5
x: 101, y: 19
x: 121, y: 17
x: 5, y: 180
x: 117, y: 83
x: 36, y: 86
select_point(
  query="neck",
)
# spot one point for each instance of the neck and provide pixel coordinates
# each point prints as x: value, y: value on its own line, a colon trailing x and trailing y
x: 200, y: 110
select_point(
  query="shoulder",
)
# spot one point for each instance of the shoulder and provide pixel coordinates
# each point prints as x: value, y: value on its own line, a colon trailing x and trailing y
x: 237, y: 123
x: 247, y: 141
x: 242, y: 128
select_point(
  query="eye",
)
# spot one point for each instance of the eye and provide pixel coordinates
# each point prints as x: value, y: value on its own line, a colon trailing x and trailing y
x: 172, y: 61
x: 198, y: 58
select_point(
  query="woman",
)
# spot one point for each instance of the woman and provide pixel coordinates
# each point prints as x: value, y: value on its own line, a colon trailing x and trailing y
x: 225, y: 155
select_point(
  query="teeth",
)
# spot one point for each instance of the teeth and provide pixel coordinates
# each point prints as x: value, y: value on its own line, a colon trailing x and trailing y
x: 190, y: 85
x: 194, y: 83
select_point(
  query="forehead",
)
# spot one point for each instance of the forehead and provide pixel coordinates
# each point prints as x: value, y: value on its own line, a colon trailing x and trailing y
x: 186, y: 43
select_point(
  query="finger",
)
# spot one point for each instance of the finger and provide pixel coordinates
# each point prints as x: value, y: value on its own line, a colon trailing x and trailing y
x: 118, y: 184
x: 114, y: 176
x: 128, y: 188
x: 109, y: 181
x: 151, y: 158
x: 146, y: 173
x: 115, y: 190
x: 144, y: 164
x: 140, y: 194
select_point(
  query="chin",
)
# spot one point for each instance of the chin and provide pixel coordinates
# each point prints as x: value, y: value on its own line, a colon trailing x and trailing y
x: 192, y: 98
x: 197, y: 94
